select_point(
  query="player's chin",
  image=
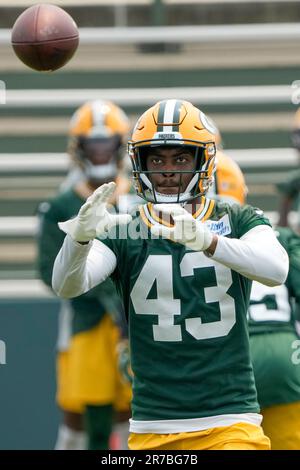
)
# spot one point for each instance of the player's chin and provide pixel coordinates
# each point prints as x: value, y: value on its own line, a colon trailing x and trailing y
x: 167, y: 190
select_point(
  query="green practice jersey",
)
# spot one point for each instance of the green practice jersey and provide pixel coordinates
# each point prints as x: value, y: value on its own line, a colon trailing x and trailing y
x: 187, y: 319
x: 278, y: 308
x: 89, y: 308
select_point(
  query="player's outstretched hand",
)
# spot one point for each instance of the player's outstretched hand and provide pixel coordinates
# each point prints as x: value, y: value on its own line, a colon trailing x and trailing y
x: 93, y: 219
x: 186, y: 230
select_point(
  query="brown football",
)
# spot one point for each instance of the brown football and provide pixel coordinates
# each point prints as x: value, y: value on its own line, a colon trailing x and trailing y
x: 45, y: 37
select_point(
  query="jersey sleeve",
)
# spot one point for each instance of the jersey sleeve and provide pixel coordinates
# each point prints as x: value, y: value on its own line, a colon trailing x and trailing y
x: 112, y: 240
x: 248, y: 217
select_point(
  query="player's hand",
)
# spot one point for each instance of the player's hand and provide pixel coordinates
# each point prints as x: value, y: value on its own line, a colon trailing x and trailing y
x: 93, y: 219
x: 186, y: 230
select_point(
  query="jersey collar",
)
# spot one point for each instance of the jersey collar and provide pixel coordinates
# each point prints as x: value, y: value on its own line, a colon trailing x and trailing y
x: 150, y: 217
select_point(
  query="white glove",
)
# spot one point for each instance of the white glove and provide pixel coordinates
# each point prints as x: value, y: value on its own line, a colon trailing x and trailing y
x: 186, y: 230
x: 93, y: 219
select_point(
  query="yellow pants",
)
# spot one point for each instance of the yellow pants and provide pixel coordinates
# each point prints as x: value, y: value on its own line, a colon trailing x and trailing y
x: 281, y: 423
x: 87, y: 373
x: 240, y: 436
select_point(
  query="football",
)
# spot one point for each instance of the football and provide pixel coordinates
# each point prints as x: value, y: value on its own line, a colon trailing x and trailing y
x: 45, y: 37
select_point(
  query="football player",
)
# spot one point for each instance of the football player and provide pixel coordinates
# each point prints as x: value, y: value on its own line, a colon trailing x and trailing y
x: 87, y: 378
x: 275, y: 348
x: 183, y: 266
x: 228, y: 185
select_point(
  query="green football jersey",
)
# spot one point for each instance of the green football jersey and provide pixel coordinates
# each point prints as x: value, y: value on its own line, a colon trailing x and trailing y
x: 89, y: 308
x: 187, y: 318
x: 277, y: 308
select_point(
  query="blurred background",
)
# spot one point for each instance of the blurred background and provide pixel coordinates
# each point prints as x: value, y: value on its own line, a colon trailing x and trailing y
x: 235, y: 59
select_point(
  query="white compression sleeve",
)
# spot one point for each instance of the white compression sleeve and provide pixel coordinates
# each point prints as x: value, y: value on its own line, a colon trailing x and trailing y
x: 257, y: 255
x: 78, y: 268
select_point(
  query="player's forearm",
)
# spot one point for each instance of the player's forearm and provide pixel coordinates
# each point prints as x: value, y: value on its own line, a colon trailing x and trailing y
x: 79, y: 268
x: 257, y: 256
x: 69, y: 278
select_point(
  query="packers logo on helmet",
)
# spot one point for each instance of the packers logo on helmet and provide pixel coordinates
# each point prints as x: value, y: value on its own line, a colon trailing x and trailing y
x: 173, y: 123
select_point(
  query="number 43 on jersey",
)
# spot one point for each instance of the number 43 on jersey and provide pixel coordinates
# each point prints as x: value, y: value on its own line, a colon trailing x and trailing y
x: 159, y: 269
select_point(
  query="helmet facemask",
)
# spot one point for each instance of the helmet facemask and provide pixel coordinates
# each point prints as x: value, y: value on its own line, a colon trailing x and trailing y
x: 99, y: 157
x: 198, y: 185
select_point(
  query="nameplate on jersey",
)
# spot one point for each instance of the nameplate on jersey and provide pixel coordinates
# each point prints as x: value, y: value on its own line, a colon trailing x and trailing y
x: 219, y: 227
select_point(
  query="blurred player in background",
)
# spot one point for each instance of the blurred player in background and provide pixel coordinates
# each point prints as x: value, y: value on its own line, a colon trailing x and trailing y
x: 185, y: 282
x: 290, y: 187
x: 275, y: 349
x: 272, y: 316
x: 88, y: 382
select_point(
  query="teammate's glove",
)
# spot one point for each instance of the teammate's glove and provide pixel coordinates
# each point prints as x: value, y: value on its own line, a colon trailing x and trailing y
x: 93, y: 219
x: 186, y: 230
